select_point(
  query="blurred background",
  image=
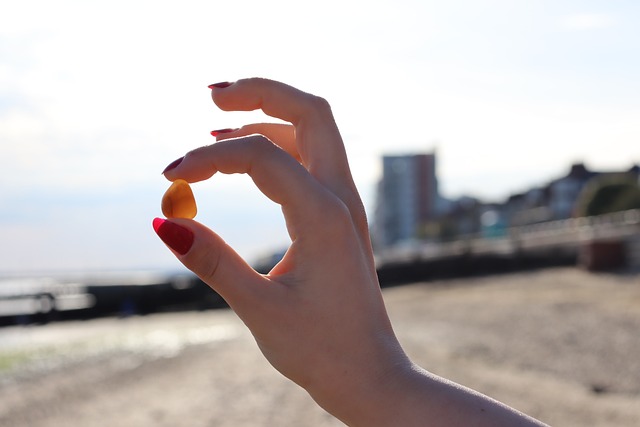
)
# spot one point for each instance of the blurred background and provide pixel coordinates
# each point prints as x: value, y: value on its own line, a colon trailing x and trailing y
x: 483, y: 128
x: 96, y: 99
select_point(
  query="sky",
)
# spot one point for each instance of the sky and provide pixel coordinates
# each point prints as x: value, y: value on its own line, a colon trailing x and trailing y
x: 96, y: 98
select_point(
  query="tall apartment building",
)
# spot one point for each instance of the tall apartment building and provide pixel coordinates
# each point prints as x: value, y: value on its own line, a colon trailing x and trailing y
x: 407, y: 198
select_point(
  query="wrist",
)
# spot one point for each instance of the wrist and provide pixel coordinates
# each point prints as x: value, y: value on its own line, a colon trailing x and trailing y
x: 361, y: 393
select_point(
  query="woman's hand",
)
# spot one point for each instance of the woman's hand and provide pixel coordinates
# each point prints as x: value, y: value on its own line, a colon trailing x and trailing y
x: 318, y: 316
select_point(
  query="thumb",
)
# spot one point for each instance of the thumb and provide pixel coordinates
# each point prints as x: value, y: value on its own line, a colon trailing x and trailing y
x: 212, y: 259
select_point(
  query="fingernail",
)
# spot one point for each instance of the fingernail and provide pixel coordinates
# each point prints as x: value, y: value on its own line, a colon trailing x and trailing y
x: 220, y: 85
x: 175, y: 236
x: 221, y: 131
x: 173, y: 165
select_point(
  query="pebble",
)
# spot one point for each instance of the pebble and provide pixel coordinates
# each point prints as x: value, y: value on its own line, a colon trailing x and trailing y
x: 178, y: 201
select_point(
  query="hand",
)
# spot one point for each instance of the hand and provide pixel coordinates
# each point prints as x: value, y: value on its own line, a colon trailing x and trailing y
x: 318, y: 316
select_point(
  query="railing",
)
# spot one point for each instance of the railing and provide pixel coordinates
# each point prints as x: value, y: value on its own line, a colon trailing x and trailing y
x: 617, y: 225
x: 567, y: 233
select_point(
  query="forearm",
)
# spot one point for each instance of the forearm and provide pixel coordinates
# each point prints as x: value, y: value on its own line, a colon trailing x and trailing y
x: 407, y: 395
x: 429, y: 400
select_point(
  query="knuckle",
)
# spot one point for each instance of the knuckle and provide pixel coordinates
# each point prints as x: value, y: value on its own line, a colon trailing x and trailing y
x: 259, y: 141
x: 259, y: 144
x: 359, y: 215
x: 196, y: 152
x: 336, y: 215
x: 319, y: 104
x: 208, y: 263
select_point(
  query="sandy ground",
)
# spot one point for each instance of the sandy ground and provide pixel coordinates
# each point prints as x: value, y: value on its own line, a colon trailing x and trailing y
x: 560, y: 344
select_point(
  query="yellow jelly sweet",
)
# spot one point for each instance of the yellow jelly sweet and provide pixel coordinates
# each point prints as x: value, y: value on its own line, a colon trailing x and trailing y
x: 178, y: 201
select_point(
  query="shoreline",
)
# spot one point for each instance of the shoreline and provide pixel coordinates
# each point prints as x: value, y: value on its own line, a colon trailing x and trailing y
x: 559, y: 344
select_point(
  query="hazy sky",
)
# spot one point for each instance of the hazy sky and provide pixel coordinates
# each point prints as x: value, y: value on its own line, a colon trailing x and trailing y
x: 96, y: 99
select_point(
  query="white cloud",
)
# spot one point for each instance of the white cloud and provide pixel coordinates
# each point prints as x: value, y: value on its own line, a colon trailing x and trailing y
x: 588, y: 21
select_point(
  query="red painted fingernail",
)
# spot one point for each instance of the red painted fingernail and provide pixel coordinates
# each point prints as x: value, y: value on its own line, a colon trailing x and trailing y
x: 175, y: 236
x: 173, y: 165
x: 221, y: 131
x: 220, y: 85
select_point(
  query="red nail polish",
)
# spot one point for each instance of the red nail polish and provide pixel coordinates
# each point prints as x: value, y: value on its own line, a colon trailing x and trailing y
x: 220, y: 85
x: 177, y: 237
x: 221, y: 131
x: 173, y: 165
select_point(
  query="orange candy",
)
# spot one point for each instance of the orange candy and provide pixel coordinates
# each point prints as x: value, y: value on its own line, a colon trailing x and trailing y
x: 178, y: 201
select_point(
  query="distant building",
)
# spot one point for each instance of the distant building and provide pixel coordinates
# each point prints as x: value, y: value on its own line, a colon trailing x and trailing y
x: 564, y: 192
x: 407, y: 198
x: 556, y: 200
x: 409, y: 208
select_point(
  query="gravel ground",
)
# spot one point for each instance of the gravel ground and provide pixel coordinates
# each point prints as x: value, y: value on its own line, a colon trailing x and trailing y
x: 559, y: 344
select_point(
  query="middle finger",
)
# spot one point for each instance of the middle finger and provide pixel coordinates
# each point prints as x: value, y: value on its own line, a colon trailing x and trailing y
x: 318, y: 140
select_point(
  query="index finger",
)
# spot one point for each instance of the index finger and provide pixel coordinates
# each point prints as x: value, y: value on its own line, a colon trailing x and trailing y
x: 276, y: 174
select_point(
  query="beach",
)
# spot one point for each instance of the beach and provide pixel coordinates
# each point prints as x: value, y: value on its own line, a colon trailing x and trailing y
x: 560, y: 344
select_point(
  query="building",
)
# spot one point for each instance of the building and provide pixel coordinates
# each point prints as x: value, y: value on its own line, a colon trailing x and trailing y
x: 407, y: 198
x: 559, y: 198
x: 564, y: 192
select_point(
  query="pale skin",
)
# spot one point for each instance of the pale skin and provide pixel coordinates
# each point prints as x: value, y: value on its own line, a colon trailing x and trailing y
x: 318, y: 317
